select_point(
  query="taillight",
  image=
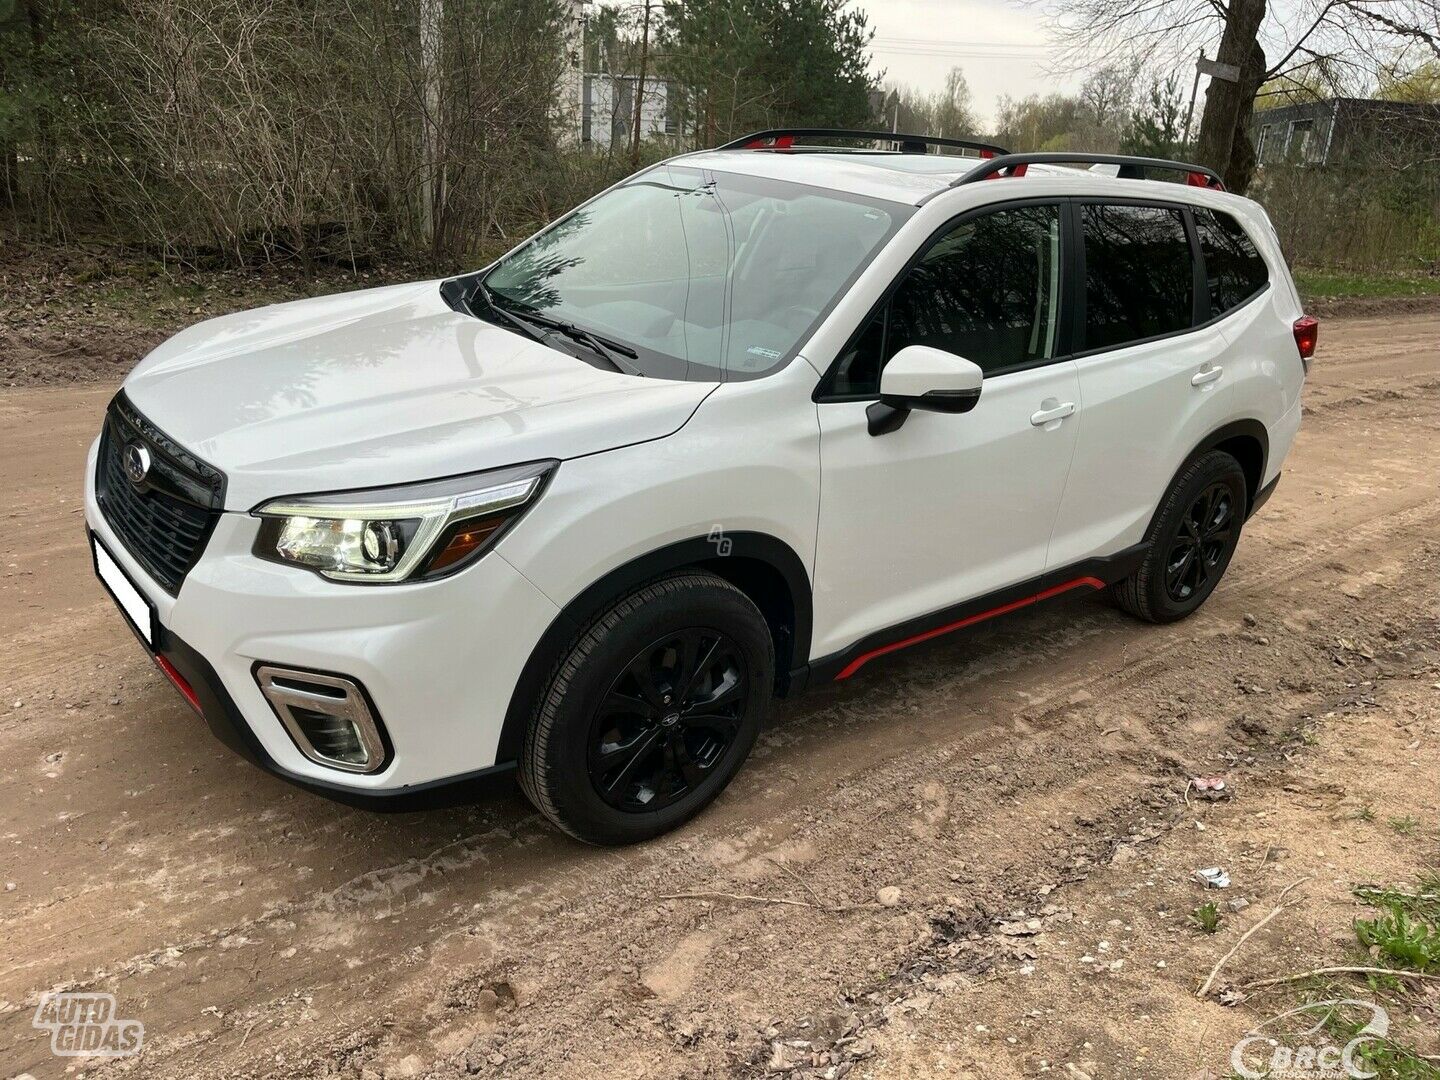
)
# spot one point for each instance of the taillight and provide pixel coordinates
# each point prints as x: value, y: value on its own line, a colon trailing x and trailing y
x: 1307, y: 333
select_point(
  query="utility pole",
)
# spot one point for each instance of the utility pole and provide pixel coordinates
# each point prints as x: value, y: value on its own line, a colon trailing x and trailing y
x: 1216, y: 70
x: 1194, y: 91
x: 640, y: 87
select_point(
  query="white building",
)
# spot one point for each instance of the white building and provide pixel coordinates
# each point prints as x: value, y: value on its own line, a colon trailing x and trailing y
x: 596, y: 108
x: 608, y: 113
x: 570, y: 103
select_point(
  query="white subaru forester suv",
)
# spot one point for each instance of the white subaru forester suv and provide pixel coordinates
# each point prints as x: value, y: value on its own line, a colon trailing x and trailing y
x: 744, y: 422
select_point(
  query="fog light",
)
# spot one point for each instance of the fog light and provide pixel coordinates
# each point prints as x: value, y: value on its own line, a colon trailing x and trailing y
x: 334, y: 738
x: 328, y: 717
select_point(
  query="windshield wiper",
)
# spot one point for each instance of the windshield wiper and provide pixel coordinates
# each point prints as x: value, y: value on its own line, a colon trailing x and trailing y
x: 525, y: 326
x: 540, y: 327
x: 618, y: 355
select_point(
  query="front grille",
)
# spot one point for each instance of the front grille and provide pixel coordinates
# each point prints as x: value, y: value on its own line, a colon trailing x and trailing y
x: 166, y: 519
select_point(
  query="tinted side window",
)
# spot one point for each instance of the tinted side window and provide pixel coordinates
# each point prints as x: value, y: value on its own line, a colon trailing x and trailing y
x: 1234, y: 270
x: 987, y: 290
x: 1139, y: 278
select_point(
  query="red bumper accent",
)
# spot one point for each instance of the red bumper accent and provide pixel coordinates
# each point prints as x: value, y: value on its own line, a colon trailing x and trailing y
x: 1003, y: 609
x: 178, y: 681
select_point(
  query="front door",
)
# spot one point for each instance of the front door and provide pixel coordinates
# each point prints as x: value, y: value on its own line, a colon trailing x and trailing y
x: 949, y: 507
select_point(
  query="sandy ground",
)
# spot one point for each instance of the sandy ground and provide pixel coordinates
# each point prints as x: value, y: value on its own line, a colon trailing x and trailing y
x: 1025, y: 788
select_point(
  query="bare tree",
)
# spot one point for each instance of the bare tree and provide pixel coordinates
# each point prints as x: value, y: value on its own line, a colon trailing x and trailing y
x: 1342, y: 40
x: 948, y: 113
x: 1107, y: 95
x: 324, y: 128
x: 432, y: 18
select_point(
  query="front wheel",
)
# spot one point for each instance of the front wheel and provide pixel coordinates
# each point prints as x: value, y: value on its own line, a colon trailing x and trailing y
x: 652, y: 711
x: 1191, y: 541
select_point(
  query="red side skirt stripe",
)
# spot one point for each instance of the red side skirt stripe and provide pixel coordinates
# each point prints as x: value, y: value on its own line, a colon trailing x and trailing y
x: 1014, y: 605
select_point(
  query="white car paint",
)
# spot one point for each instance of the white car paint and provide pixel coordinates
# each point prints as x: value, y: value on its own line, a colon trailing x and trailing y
x: 960, y: 524
x: 385, y: 386
x: 390, y: 386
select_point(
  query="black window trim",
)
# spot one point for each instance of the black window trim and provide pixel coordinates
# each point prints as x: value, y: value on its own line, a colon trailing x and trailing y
x: 1201, y: 305
x: 1072, y: 287
x: 822, y: 393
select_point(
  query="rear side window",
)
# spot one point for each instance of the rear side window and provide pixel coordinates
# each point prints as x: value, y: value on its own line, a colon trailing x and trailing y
x: 1139, y: 276
x: 1234, y: 270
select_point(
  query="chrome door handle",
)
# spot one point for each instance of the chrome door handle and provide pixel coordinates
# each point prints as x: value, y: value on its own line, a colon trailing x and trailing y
x: 1207, y: 375
x: 1046, y: 416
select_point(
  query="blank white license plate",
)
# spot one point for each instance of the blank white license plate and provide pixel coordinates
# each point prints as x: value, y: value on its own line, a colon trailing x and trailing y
x: 132, y: 602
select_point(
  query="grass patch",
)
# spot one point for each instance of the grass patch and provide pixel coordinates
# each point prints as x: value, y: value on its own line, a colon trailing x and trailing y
x: 1404, y: 825
x: 1423, y: 901
x: 1382, y: 1057
x: 1402, y: 936
x: 1405, y: 934
x: 1315, y: 283
x: 1206, y: 918
x: 1324, y: 1023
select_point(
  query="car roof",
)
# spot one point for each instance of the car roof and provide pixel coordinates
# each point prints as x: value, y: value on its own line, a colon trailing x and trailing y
x: 900, y: 177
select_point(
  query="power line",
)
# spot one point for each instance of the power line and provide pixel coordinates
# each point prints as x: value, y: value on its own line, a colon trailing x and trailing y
x: 960, y: 54
x: 944, y: 43
x: 978, y: 50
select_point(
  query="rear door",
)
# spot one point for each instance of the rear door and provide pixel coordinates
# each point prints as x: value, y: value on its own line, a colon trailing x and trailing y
x: 1150, y: 362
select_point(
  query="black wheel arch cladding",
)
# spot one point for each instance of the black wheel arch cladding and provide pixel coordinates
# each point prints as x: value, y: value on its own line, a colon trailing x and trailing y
x: 1247, y: 441
x: 762, y: 566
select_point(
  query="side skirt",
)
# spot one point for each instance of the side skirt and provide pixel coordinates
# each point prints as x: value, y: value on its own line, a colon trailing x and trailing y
x: 1081, y: 579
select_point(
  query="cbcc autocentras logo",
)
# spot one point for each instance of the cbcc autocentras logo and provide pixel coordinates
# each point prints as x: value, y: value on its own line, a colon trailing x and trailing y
x: 1300, y: 1044
x: 85, y: 1025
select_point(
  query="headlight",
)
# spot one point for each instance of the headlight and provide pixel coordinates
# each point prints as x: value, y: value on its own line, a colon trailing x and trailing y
x: 410, y: 533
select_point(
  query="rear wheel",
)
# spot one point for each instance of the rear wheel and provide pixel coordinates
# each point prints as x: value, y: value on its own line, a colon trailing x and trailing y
x: 1191, y: 541
x: 651, y: 712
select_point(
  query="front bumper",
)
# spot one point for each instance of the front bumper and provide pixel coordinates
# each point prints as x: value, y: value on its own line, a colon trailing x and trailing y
x: 439, y: 659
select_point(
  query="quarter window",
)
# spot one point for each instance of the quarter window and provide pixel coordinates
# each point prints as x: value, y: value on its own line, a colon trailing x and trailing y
x: 987, y: 290
x: 1139, y: 274
x: 1234, y: 270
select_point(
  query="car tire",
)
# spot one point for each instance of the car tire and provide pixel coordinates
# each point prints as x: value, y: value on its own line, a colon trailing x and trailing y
x: 1190, y: 541
x: 651, y: 711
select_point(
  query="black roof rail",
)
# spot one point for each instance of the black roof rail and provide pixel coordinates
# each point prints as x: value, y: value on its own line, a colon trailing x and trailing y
x: 784, y: 139
x: 1131, y: 168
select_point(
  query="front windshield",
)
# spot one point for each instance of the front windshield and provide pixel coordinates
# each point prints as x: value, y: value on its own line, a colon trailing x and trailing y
x: 705, y: 275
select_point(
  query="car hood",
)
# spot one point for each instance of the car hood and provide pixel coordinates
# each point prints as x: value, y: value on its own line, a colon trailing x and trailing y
x: 385, y: 386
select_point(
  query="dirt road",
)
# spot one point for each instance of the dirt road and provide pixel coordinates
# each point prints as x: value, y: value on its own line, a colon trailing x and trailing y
x: 1025, y: 788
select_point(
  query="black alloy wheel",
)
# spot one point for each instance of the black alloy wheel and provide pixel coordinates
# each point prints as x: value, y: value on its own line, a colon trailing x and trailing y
x: 669, y: 717
x: 651, y: 710
x: 1207, y: 532
x: 1190, y: 541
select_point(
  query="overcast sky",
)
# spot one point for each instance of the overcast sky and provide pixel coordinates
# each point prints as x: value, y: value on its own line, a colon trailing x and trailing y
x: 1001, y: 46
